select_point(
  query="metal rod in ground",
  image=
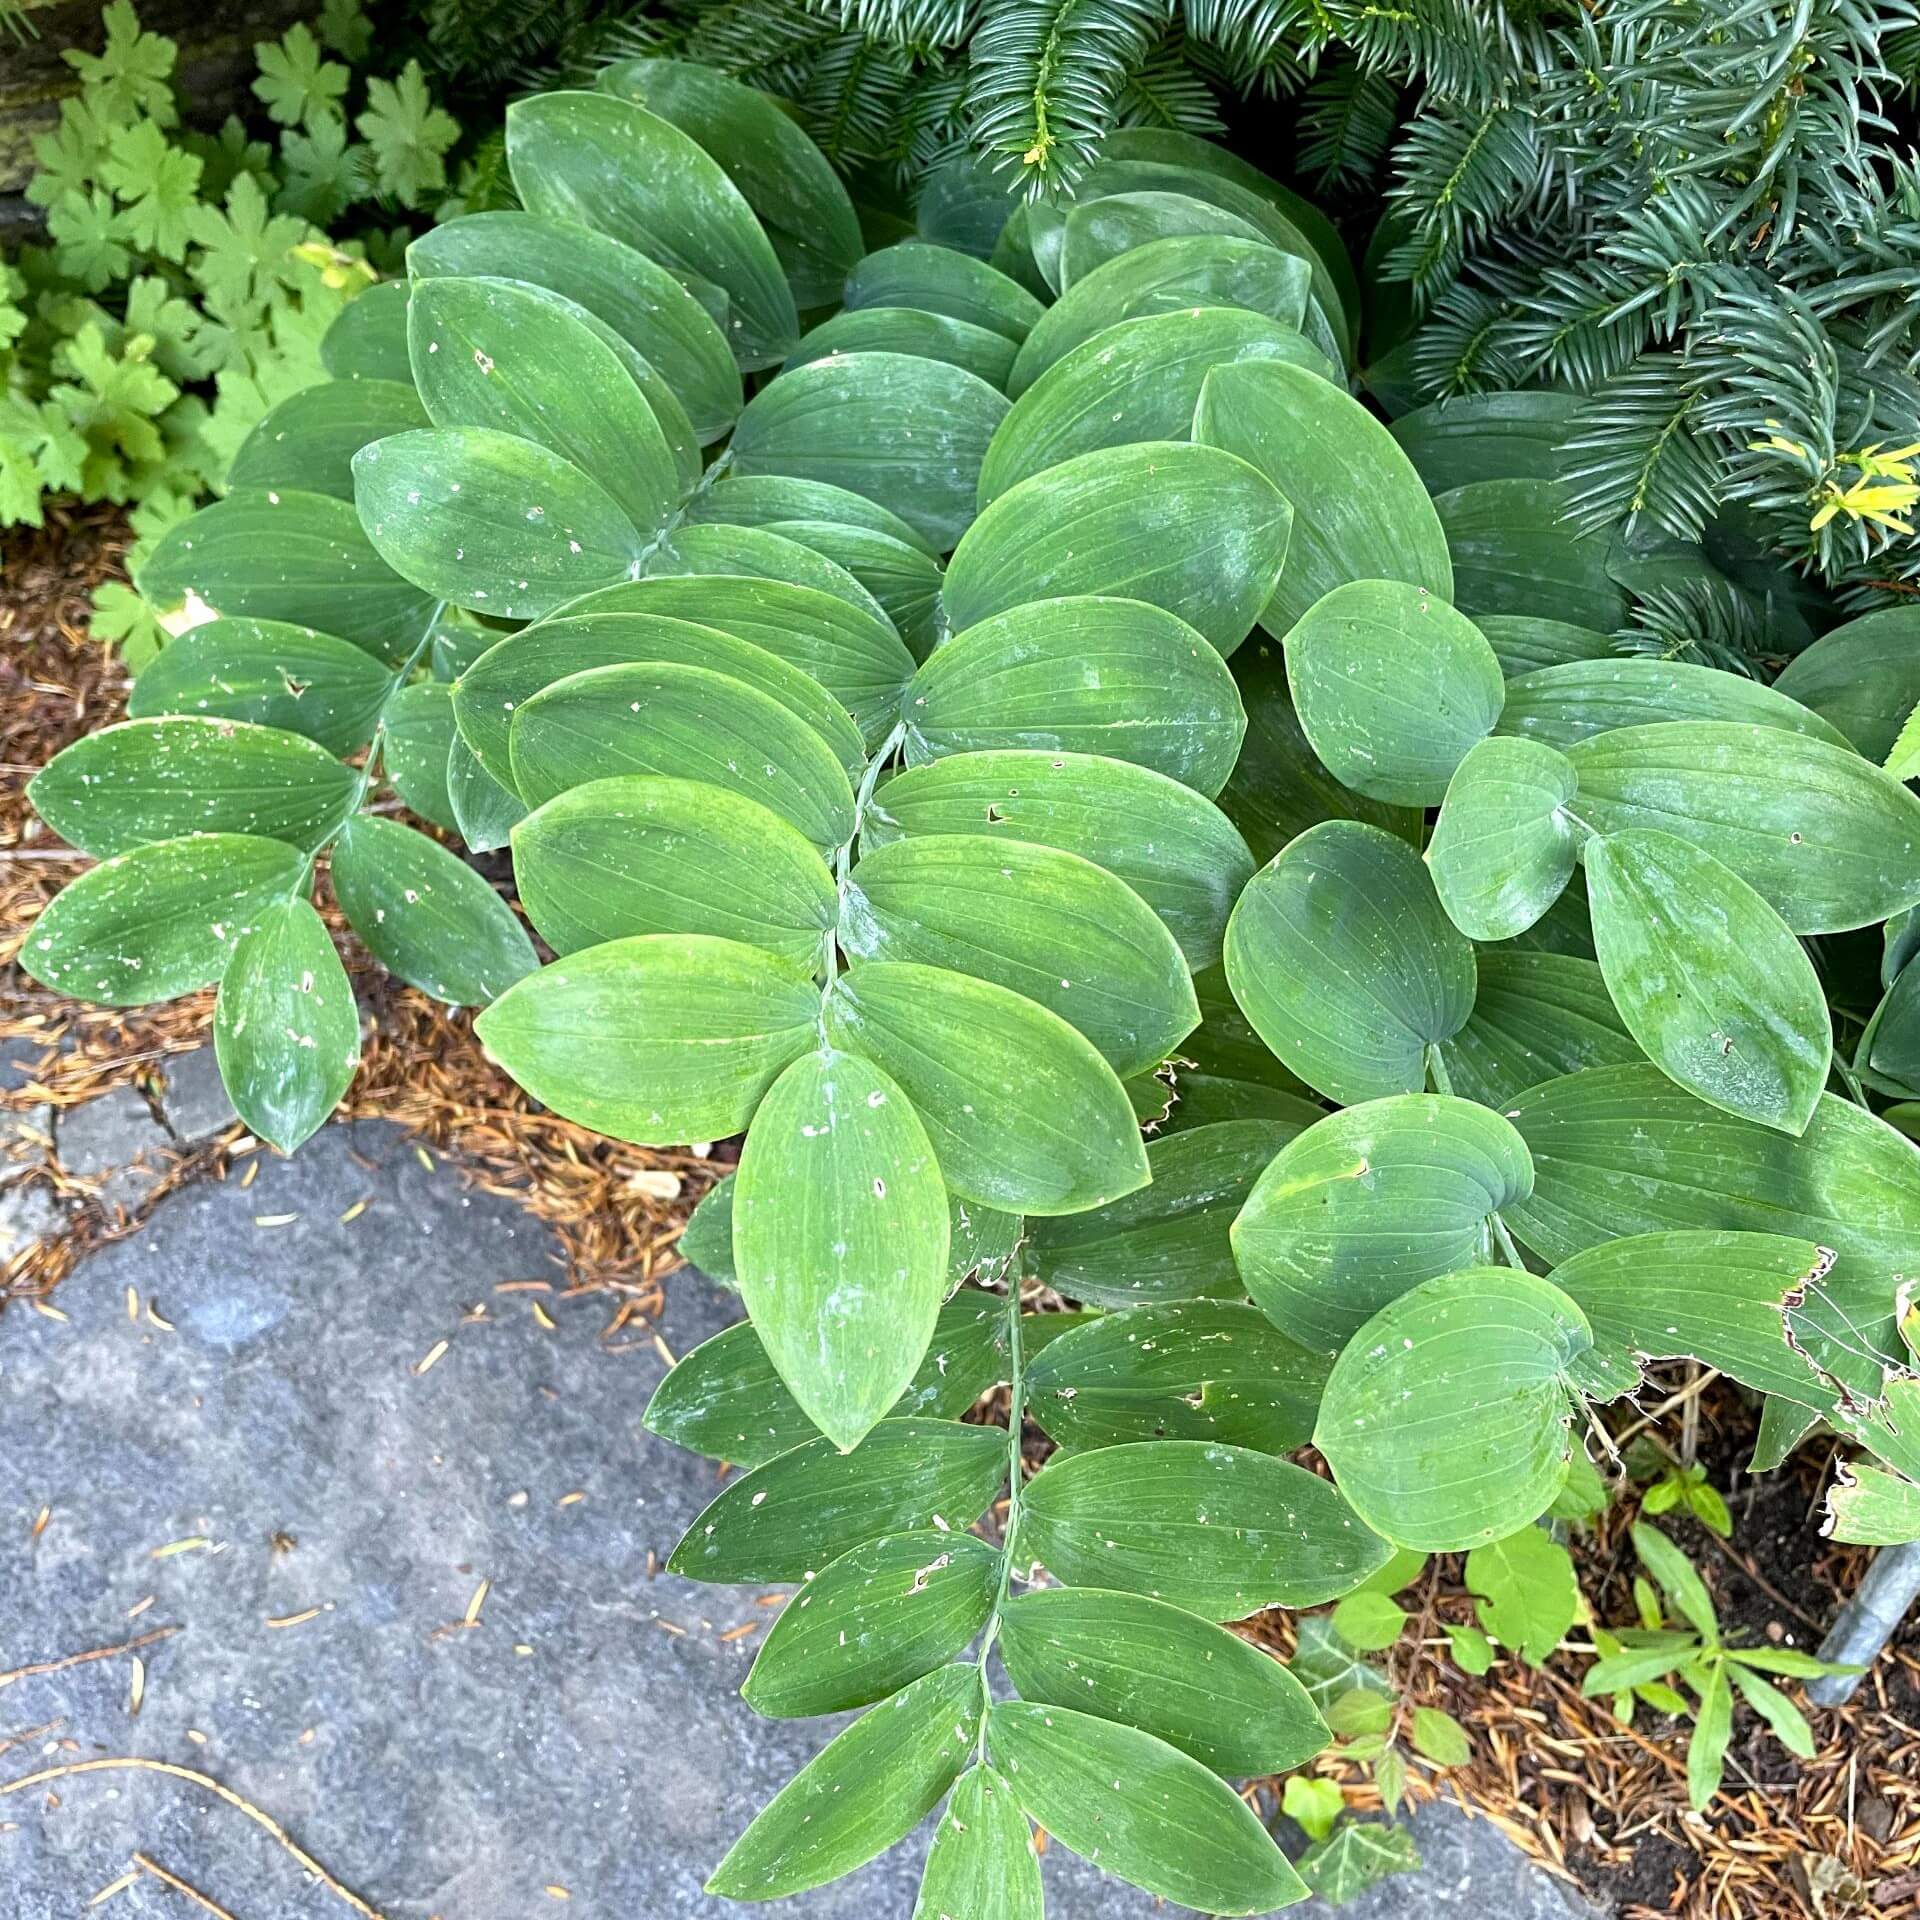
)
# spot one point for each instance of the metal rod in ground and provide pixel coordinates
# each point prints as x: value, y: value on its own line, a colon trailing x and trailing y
x: 1867, y: 1622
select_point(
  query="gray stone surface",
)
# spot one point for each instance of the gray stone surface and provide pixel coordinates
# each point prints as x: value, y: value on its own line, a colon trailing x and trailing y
x: 193, y: 1099
x: 116, y: 1144
x: 28, y: 1212
x: 586, y: 1734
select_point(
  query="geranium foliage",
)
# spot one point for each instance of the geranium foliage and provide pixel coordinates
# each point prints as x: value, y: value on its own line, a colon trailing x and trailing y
x: 943, y: 718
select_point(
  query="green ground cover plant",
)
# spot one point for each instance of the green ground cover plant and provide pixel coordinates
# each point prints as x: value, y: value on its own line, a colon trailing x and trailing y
x: 1101, y: 814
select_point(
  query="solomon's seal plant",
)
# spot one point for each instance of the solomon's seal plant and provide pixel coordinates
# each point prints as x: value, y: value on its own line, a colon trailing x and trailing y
x: 886, y: 741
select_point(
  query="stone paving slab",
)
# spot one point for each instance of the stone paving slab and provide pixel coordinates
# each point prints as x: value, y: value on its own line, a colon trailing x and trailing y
x: 301, y: 1423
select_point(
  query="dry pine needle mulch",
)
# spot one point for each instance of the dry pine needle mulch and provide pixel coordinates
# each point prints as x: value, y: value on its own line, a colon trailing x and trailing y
x: 1598, y: 1804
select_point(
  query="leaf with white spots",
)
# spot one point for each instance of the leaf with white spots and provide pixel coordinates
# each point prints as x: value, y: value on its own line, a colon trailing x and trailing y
x: 876, y: 1619
x: 147, y: 780
x: 840, y: 1238
x: 308, y: 441
x: 982, y: 1865
x: 1139, y: 1808
x: 159, y: 921
x: 286, y: 1032
x: 797, y: 1514
x: 1221, y: 1531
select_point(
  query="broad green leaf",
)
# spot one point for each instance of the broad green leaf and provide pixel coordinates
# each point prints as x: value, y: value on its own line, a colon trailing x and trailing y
x: 145, y: 780
x: 426, y: 915
x: 1192, y: 1370
x: 1513, y: 553
x: 1574, y: 701
x: 416, y: 748
x: 660, y: 1039
x: 484, y: 811
x: 1440, y: 1738
x: 1279, y: 788
x: 1622, y: 1150
x: 1221, y: 1531
x: 902, y: 579
x: 1393, y: 688
x: 725, y: 1400
x: 765, y: 499
x: 1340, y: 956
x: 1446, y: 1417
x: 270, y: 674
x: 1123, y: 1657
x: 1371, y: 1201
x: 1369, y: 1621
x: 1359, y: 510
x: 1072, y: 242
x: 682, y: 723
x: 853, y: 653
x: 982, y: 1865
x: 1189, y: 529
x: 509, y: 358
x: 651, y: 310
x: 1486, y: 436
x: 876, y: 1619
x: 802, y: 1511
x: 159, y: 921
x: 509, y: 674
x: 980, y: 351
x: 1525, y: 642
x: 1176, y: 850
x: 1140, y: 1809
x: 942, y: 280
x: 1862, y: 678
x: 309, y: 440
x: 287, y: 556
x: 1049, y: 925
x: 1471, y: 1649
x: 1784, y: 1720
x: 1527, y: 1594
x: 1718, y: 1297
x: 869, y: 1787
x: 1536, y: 1017
x: 1023, y: 1112
x: 1359, y: 1855
x: 368, y: 337
x: 1169, y: 146
x: 1166, y: 276
x: 607, y: 164
x: 1168, y: 1241
x: 1868, y: 1506
x: 840, y: 1238
x: 1135, y: 380
x: 1708, y: 979
x: 1827, y: 838
x: 619, y: 856
x: 907, y: 432
x: 780, y: 173
x: 286, y: 1032
x: 1504, y: 846
x: 492, y: 522
x: 1312, y: 1804
x: 1113, y: 677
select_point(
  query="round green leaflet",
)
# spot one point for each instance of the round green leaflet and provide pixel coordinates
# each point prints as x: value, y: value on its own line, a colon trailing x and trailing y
x: 1359, y: 510
x: 1708, y: 979
x: 635, y: 853
x: 1185, y: 528
x: 1393, y: 688
x: 1135, y: 380
x: 1505, y: 844
x: 659, y: 1039
x: 1088, y: 675
x: 1370, y: 1202
x: 840, y: 1238
x: 612, y: 166
x: 1446, y: 1420
x: 1341, y: 958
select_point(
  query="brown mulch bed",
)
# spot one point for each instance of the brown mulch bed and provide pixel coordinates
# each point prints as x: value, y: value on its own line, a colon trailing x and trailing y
x: 1601, y: 1805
